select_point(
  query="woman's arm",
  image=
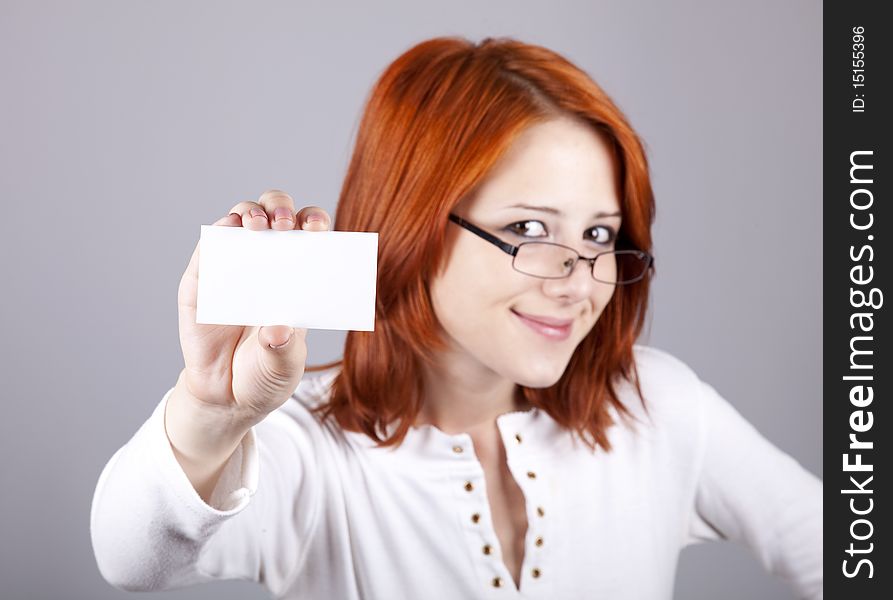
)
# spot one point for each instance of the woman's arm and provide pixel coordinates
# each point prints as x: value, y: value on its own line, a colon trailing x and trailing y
x: 151, y: 529
x: 203, y: 437
x: 750, y: 491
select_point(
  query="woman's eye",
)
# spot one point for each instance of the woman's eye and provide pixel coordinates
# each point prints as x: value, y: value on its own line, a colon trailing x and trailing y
x: 602, y: 234
x: 605, y: 235
x: 519, y: 227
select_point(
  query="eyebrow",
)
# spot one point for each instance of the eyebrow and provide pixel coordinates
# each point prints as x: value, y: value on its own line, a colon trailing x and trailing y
x: 555, y: 211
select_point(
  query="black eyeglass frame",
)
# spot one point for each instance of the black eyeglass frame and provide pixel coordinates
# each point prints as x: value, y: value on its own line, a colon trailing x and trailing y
x: 513, y: 251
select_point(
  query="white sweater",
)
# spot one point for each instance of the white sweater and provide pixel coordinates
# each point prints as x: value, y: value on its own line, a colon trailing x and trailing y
x: 313, y: 512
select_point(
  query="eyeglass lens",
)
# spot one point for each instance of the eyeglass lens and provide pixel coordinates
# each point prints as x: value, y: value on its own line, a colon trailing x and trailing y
x: 553, y: 261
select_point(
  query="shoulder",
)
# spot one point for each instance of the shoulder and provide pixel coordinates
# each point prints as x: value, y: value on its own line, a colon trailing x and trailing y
x: 659, y: 370
x: 670, y: 387
x: 314, y: 387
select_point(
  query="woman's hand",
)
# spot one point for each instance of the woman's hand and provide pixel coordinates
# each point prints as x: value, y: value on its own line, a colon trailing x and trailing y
x: 251, y: 370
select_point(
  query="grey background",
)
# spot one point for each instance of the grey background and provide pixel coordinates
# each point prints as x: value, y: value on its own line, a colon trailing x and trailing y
x: 124, y: 126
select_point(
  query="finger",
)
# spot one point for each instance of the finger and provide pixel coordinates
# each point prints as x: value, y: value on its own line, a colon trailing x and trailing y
x: 278, y: 211
x: 283, y: 350
x: 277, y: 336
x: 230, y: 220
x: 305, y: 219
x: 187, y: 292
x: 253, y: 215
x: 280, y: 207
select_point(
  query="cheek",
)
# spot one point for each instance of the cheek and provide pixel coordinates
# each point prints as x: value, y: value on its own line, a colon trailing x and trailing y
x: 600, y: 301
x: 473, y: 294
x: 462, y: 299
x: 475, y: 278
x: 603, y: 295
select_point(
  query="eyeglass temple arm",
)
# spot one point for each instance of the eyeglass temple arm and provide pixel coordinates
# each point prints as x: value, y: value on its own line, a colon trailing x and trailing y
x: 507, y: 248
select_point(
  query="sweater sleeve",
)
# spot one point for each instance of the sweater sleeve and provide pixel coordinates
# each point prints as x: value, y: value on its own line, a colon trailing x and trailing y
x: 151, y: 530
x: 749, y: 491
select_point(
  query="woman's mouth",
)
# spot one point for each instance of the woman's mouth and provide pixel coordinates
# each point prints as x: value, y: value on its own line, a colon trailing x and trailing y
x: 551, y: 332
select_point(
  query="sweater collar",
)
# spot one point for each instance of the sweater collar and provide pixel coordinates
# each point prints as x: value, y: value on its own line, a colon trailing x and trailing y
x: 521, y: 431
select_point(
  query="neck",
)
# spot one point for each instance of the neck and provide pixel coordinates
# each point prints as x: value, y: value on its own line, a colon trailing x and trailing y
x: 466, y: 400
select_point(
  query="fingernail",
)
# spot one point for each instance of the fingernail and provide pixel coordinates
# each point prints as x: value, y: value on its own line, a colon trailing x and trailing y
x: 283, y: 213
x: 315, y: 218
x: 257, y: 212
x: 283, y: 344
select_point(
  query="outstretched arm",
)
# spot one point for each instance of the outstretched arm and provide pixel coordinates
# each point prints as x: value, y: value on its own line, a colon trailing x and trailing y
x: 750, y: 491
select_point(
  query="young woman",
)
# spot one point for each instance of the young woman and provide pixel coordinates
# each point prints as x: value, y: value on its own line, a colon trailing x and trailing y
x: 500, y: 434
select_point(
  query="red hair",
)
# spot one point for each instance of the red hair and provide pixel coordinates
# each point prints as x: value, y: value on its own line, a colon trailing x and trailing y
x: 436, y: 121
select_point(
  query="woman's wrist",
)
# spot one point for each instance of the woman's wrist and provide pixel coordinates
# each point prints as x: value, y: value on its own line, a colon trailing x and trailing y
x: 203, y: 437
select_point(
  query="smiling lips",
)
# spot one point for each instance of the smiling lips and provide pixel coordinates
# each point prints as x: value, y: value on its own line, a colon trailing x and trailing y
x: 553, y: 329
x: 545, y: 320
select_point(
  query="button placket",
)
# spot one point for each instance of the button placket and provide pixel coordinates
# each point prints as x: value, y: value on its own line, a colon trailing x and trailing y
x: 479, y: 523
x: 531, y: 491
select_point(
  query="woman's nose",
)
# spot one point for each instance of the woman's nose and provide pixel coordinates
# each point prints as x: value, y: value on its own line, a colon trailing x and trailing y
x: 578, y: 284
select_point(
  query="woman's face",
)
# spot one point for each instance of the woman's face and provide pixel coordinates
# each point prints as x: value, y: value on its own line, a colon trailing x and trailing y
x: 561, y: 165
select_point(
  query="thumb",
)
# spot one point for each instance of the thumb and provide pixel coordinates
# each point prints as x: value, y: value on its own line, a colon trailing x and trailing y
x: 277, y: 337
x: 282, y: 351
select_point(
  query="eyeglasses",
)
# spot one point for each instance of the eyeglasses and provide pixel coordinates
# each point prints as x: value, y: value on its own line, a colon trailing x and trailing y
x: 549, y: 260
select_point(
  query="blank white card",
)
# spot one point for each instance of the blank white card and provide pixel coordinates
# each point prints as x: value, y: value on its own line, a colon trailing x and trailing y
x: 310, y: 279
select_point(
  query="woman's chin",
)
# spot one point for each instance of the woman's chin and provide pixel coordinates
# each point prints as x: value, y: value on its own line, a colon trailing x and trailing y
x: 540, y: 375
